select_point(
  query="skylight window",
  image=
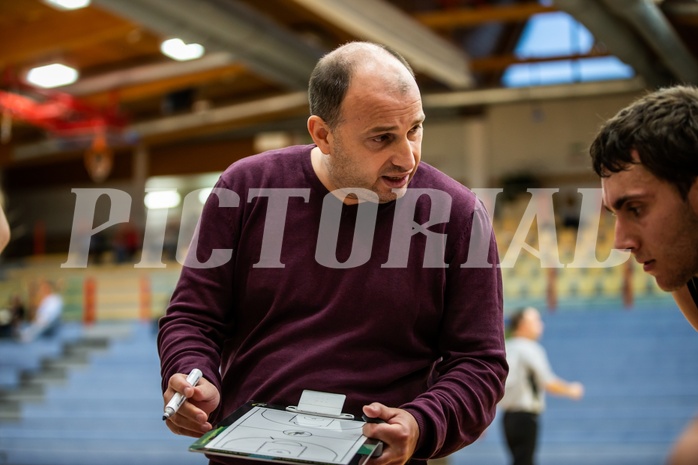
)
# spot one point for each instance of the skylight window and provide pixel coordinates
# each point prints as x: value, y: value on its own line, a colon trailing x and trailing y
x: 558, y: 34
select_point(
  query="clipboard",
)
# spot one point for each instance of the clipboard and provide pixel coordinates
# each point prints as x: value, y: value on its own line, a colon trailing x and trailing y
x: 272, y: 433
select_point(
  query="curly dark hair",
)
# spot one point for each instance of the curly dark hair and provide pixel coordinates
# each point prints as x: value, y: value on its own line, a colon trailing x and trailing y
x: 663, y: 128
x: 330, y: 79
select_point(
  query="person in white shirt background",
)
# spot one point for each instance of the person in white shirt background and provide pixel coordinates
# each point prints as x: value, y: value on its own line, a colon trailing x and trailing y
x: 530, y: 376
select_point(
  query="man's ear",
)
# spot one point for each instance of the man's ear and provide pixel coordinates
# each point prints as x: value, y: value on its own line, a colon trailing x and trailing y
x: 320, y: 133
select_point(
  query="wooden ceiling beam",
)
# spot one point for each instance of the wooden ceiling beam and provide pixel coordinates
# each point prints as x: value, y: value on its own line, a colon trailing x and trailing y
x: 47, y: 37
x: 468, y: 17
x: 501, y: 62
x: 146, y: 90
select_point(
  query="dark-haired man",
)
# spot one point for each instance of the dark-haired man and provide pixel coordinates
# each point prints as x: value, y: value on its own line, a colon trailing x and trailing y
x: 647, y: 158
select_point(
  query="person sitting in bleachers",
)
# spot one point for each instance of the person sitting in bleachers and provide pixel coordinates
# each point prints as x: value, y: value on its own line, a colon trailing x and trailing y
x: 48, y: 313
x: 11, y: 318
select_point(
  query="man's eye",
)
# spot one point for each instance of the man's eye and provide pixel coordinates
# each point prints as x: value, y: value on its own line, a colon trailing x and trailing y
x: 635, y: 211
x: 381, y: 138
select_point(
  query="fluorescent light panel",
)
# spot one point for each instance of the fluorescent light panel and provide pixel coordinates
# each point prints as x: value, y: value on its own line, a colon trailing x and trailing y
x: 67, y: 4
x: 53, y: 75
x: 178, y: 50
x: 204, y: 193
x: 162, y: 199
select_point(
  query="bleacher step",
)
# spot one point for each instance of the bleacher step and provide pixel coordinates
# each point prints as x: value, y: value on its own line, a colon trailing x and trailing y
x: 10, y: 411
x: 24, y: 393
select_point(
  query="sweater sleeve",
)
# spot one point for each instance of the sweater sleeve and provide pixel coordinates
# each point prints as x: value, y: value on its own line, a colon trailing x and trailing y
x: 193, y: 330
x: 469, y: 378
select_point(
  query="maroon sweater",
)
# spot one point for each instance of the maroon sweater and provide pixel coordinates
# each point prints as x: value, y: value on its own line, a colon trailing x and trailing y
x: 380, y: 313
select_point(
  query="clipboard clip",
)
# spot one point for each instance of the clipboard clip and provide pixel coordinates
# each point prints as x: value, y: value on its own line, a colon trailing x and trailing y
x: 321, y: 404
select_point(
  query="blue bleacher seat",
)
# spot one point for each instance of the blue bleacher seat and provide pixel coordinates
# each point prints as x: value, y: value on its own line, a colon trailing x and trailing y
x: 637, y: 366
x: 108, y: 412
x: 17, y: 358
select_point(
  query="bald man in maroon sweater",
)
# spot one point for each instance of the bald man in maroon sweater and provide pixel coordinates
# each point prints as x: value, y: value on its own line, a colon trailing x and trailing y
x: 344, y: 266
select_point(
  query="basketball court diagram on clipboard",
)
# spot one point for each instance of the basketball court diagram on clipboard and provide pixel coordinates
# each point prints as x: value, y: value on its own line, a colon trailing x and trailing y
x: 267, y: 433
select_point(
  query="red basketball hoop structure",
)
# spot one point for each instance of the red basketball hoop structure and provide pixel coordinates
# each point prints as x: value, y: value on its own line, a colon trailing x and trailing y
x: 65, y: 116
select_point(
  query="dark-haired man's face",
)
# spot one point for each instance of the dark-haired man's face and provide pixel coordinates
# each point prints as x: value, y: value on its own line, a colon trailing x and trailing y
x: 655, y: 223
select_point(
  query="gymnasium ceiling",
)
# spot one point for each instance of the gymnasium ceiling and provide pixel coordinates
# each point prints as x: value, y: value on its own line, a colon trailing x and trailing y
x: 260, y: 53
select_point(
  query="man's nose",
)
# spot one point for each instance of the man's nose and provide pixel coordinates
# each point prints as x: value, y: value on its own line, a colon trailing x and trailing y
x: 624, y: 238
x: 404, y: 156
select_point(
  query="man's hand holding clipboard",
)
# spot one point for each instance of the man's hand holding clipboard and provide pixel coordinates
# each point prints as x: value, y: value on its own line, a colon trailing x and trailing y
x: 395, y: 428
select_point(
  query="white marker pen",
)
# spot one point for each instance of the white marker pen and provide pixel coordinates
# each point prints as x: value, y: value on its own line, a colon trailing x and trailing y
x: 178, y: 399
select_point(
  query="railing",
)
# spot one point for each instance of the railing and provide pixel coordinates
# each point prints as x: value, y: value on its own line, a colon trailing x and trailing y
x: 115, y: 292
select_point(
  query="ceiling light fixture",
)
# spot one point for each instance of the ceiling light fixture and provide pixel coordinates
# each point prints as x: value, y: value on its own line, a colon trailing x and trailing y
x: 204, y: 193
x: 53, y: 75
x: 155, y: 200
x: 67, y: 4
x: 178, y: 50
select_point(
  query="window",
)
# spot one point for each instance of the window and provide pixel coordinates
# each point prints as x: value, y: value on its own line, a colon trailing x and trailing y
x: 558, y: 34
